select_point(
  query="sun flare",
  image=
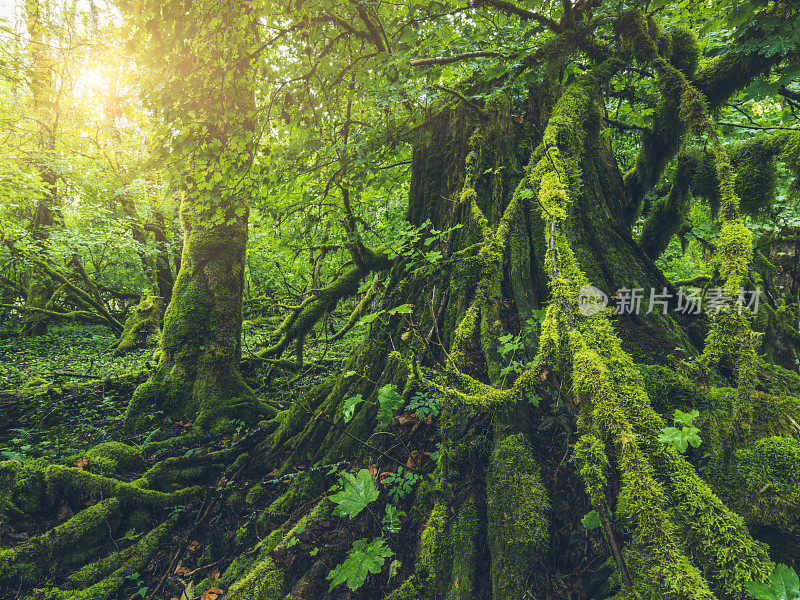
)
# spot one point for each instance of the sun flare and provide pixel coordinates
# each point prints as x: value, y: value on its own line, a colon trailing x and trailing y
x: 92, y: 81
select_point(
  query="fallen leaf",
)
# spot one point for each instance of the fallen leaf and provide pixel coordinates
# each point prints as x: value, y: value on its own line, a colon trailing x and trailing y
x: 81, y: 462
x: 212, y: 594
x: 192, y: 545
x: 413, y: 461
x: 543, y: 375
x: 180, y: 570
x: 373, y: 471
x: 215, y: 574
x: 405, y: 419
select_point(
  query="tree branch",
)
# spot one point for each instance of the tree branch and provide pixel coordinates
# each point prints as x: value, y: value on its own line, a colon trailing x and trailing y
x: 446, y: 60
x: 522, y: 13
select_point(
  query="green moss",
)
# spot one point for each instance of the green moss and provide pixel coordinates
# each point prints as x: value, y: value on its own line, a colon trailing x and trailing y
x: 767, y: 482
x: 67, y: 545
x: 434, y: 552
x: 668, y: 390
x: 35, y: 382
x: 9, y: 470
x: 113, y: 457
x: 518, y: 511
x: 463, y: 536
x: 27, y: 494
x: 143, y: 325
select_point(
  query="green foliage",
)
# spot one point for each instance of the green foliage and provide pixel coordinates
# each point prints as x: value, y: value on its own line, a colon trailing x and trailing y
x: 511, y: 345
x: 681, y: 437
x: 424, y: 404
x: 591, y: 520
x: 364, y: 558
x: 391, y: 520
x: 349, y: 407
x: 400, y: 483
x: 403, y: 309
x: 389, y: 401
x: 359, y: 490
x: 783, y: 585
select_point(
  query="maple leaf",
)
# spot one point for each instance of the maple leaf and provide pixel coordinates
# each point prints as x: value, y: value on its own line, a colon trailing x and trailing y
x: 362, y: 560
x: 357, y: 493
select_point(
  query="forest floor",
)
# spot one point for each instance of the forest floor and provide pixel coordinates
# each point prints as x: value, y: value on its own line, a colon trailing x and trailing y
x: 66, y: 392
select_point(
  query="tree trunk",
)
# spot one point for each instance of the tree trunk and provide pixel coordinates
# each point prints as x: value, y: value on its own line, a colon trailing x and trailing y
x: 197, y: 376
x: 534, y: 227
x: 45, y: 106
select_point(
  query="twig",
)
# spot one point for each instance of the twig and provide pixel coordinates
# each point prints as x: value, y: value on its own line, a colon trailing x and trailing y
x: 615, y: 550
x: 757, y: 127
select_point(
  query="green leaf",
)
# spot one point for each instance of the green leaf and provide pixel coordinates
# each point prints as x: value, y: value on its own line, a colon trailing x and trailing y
x: 785, y: 584
x: 686, y: 418
x: 591, y: 520
x: 349, y: 407
x: 680, y: 438
x: 394, y: 568
x: 390, y: 401
x: 367, y: 319
x: 362, y: 560
x: 403, y: 309
x: 761, y: 591
x: 357, y: 493
x: 392, y: 518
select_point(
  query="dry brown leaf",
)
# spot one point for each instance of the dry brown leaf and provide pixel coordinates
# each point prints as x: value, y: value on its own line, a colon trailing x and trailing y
x: 180, y: 570
x: 81, y: 462
x: 192, y: 545
x: 215, y: 574
x: 544, y: 374
x: 406, y: 418
x: 413, y: 461
x: 212, y: 594
x: 373, y: 471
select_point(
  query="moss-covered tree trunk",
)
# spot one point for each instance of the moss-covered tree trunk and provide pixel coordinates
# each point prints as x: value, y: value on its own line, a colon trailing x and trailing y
x: 542, y: 209
x: 45, y: 107
x: 198, y: 371
x: 197, y: 376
